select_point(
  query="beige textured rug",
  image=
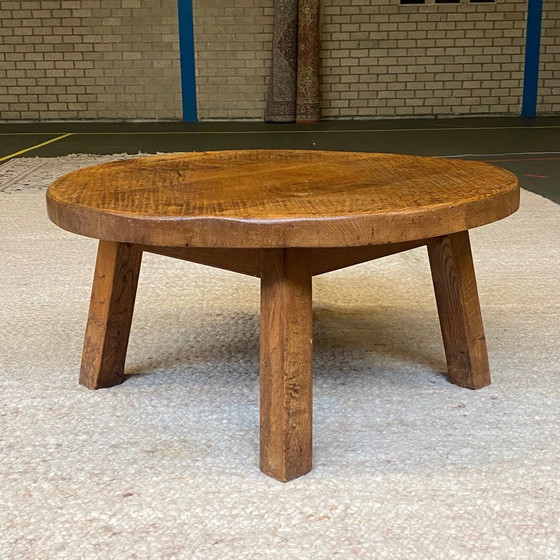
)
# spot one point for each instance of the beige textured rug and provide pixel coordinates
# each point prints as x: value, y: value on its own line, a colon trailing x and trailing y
x: 165, y: 466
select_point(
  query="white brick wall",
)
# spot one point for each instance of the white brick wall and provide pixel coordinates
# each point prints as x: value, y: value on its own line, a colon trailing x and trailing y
x: 119, y: 59
x: 549, y: 83
x: 379, y: 59
x: 89, y: 59
x: 233, y: 42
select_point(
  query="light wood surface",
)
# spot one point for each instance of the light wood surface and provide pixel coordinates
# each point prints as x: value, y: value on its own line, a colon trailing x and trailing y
x: 286, y: 360
x: 280, y: 198
x: 110, y: 314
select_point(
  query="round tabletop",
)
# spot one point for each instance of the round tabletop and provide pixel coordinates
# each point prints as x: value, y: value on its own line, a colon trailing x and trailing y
x: 280, y: 198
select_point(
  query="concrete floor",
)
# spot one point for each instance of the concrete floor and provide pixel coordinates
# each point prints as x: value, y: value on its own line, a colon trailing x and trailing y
x: 528, y: 147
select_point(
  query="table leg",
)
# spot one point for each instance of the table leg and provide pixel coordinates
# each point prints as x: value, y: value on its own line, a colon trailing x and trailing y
x: 110, y: 314
x: 286, y: 363
x: 459, y: 310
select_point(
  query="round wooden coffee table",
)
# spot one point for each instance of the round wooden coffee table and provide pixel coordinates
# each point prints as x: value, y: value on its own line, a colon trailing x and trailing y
x: 283, y: 216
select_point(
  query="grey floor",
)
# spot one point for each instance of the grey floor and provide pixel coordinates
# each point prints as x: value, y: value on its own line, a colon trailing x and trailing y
x: 528, y: 147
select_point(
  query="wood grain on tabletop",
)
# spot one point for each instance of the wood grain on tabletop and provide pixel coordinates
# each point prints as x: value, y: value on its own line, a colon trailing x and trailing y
x: 280, y: 198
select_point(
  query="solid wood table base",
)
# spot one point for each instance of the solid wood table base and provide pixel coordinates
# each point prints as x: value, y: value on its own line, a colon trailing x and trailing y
x: 286, y: 326
x: 283, y: 216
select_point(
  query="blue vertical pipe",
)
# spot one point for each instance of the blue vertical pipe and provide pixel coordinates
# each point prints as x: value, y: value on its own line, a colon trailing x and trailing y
x: 532, y: 54
x: 186, y: 45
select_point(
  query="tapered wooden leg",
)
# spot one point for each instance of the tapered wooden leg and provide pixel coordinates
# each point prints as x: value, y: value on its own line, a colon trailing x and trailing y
x: 459, y: 310
x: 286, y: 361
x: 110, y: 314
